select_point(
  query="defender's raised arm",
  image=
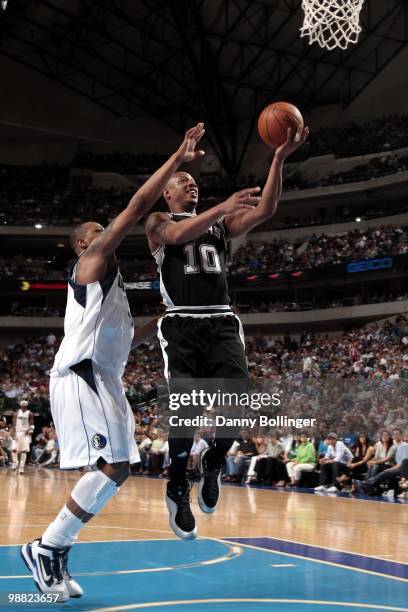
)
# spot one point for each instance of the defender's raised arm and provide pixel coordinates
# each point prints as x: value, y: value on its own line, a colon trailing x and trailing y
x: 98, y: 244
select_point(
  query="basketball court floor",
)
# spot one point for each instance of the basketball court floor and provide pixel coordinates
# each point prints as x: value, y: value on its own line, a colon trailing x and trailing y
x: 262, y: 550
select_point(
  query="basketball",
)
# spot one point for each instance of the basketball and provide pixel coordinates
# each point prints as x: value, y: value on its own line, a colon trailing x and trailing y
x: 274, y: 121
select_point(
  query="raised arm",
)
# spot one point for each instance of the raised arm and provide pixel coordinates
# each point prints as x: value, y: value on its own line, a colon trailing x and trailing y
x: 241, y: 223
x: 160, y: 229
x: 94, y: 263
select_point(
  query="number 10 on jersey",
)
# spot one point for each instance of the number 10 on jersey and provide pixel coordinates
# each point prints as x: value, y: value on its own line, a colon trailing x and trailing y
x: 209, y: 259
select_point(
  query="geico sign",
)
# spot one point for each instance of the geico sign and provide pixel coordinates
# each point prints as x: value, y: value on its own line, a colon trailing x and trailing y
x: 370, y: 264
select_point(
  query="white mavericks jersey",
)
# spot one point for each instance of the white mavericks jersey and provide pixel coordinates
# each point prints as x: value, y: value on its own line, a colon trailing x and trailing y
x: 98, y: 325
x: 22, y: 422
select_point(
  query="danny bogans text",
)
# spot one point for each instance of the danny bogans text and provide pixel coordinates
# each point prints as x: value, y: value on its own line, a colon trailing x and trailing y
x: 242, y: 422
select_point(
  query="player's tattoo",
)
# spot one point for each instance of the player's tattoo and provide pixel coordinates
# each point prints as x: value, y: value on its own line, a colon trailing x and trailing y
x: 160, y: 229
x: 157, y: 227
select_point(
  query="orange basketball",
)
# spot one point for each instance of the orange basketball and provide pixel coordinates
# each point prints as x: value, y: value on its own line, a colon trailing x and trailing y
x: 274, y: 121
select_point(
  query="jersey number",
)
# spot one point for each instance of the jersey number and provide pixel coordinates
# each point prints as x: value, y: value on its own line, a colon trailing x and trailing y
x: 210, y: 261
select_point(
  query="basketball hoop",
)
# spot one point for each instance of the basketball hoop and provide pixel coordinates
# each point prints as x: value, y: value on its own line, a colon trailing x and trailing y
x: 331, y: 23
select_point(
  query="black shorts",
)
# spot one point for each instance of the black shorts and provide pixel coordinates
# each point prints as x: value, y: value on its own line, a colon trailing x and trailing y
x: 208, y: 347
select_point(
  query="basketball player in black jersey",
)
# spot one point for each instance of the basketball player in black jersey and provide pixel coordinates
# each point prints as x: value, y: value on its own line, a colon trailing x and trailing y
x: 199, y: 334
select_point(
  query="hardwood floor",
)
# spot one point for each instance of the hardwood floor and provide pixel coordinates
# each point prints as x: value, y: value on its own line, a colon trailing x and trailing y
x: 30, y: 501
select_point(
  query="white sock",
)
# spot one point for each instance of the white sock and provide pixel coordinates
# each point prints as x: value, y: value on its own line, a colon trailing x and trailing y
x: 63, y: 530
x: 23, y: 458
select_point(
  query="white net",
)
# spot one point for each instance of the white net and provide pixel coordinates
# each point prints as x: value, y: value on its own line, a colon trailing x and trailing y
x: 331, y: 23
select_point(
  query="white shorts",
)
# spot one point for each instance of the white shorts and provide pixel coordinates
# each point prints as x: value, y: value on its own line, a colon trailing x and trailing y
x: 92, y: 417
x: 21, y: 444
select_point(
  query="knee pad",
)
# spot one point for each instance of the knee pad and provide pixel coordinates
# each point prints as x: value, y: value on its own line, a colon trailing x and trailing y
x: 93, y: 491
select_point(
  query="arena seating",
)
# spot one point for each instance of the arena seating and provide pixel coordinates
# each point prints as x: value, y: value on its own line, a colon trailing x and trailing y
x: 348, y: 139
x: 320, y: 250
x: 376, y: 355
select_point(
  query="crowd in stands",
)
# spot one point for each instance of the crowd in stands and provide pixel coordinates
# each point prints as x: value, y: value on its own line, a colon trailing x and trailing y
x: 352, y: 383
x: 356, y: 300
x: 354, y: 462
x: 18, y: 266
x: 372, y: 362
x: 347, y: 214
x: 349, y: 139
x: 45, y: 194
x: 251, y: 258
x: 344, y: 140
x: 373, y: 169
x: 44, y: 449
x: 33, y: 194
x: 320, y: 250
x: 322, y: 461
x: 24, y: 310
x: 140, y: 309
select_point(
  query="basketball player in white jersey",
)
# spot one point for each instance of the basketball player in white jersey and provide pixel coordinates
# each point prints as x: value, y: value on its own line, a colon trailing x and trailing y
x: 23, y: 427
x: 92, y: 417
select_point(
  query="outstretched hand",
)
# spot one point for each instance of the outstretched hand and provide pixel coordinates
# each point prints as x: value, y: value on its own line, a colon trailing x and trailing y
x: 242, y: 200
x: 186, y: 152
x: 293, y: 141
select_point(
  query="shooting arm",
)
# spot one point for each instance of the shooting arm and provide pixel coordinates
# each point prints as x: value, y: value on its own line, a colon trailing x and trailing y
x: 241, y: 223
x: 238, y: 224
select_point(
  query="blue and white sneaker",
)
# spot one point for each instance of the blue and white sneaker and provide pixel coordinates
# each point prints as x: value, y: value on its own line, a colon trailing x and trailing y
x: 210, y: 484
x: 74, y: 589
x: 46, y: 565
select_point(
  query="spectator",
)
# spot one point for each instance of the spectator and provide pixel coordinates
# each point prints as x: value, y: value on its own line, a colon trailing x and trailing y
x: 51, y: 451
x: 242, y: 458
x: 271, y: 469
x: 381, y: 459
x: 304, y: 461
x: 199, y: 444
x: 261, y: 447
x: 363, y: 450
x: 333, y: 464
x: 289, y: 456
x: 400, y: 451
x: 144, y: 447
x: 156, y: 454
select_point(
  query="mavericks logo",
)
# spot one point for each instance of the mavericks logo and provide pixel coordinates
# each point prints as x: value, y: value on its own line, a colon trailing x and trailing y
x: 98, y: 441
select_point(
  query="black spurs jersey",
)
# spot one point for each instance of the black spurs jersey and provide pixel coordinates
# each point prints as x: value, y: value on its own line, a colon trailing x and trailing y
x: 194, y: 274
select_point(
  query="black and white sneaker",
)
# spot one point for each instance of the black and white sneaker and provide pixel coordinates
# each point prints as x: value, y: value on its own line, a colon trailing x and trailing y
x: 210, y: 484
x: 181, y: 518
x: 46, y: 565
x: 74, y: 589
